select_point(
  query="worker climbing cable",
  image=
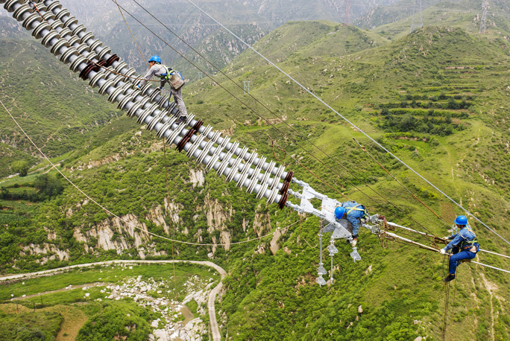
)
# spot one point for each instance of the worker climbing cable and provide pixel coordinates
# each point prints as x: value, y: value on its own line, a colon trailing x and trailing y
x: 167, y: 75
x: 353, y: 212
x: 463, y: 244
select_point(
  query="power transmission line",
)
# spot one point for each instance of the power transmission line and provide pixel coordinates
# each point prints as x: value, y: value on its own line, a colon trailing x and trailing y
x: 483, y: 21
x: 352, y: 124
x: 420, y: 9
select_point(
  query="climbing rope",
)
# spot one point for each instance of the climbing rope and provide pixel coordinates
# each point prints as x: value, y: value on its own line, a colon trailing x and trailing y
x: 453, y: 304
x: 446, y: 301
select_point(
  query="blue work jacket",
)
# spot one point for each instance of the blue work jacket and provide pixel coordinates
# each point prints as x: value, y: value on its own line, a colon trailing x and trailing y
x: 353, y: 213
x: 465, y: 237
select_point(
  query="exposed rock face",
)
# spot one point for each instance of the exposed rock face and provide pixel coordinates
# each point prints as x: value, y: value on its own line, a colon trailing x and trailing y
x: 52, y: 235
x: 225, y: 239
x: 276, y: 236
x: 43, y: 249
x: 197, y: 178
x: 156, y: 215
x: 216, y: 215
x: 128, y: 232
x: 260, y: 222
x: 105, y: 231
x: 173, y: 209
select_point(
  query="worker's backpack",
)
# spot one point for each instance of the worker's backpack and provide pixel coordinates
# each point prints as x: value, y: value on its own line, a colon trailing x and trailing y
x: 175, y: 78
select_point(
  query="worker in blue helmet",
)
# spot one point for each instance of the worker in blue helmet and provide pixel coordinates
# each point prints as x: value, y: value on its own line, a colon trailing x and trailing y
x: 463, y: 245
x: 171, y: 76
x: 353, y: 212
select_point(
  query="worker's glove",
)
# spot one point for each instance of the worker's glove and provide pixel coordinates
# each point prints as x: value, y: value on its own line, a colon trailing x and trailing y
x: 159, y: 88
x: 138, y: 86
x: 442, y: 251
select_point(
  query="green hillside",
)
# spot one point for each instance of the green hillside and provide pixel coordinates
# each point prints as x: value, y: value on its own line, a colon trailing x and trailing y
x: 465, y: 14
x: 56, y: 109
x: 436, y: 98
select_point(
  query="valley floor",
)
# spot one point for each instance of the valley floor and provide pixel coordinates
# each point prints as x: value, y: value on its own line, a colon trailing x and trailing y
x: 176, y: 312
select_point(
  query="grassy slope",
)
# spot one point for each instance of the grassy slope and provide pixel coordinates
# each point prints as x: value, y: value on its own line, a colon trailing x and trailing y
x: 54, y: 108
x: 412, y: 64
x: 464, y: 14
x: 269, y: 293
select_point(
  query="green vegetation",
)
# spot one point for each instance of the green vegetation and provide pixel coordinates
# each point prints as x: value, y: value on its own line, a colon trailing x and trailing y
x: 437, y: 98
x: 193, y: 306
x: 70, y: 299
x: 105, y: 274
x: 20, y: 167
x: 117, y: 320
x: 28, y: 326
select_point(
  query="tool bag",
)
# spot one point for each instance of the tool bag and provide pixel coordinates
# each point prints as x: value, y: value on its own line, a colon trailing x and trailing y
x: 175, y: 78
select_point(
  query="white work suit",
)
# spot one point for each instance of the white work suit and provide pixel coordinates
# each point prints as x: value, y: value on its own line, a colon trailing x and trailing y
x: 160, y: 71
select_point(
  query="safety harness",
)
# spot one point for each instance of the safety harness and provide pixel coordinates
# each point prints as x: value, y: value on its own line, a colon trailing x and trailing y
x: 355, y: 208
x: 468, y: 244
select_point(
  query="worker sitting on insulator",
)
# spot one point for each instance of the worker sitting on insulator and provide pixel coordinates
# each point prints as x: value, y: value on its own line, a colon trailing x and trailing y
x: 167, y: 75
x: 353, y: 212
x: 463, y: 245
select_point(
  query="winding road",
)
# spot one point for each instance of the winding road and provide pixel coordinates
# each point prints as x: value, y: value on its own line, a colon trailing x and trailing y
x: 215, y: 330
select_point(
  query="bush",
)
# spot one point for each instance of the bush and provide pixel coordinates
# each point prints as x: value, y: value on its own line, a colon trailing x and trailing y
x: 20, y: 167
x: 25, y: 334
x: 118, y: 320
x: 47, y: 186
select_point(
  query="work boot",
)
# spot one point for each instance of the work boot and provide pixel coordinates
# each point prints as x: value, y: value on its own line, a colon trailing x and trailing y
x: 182, y: 119
x: 354, y: 241
x: 449, y: 278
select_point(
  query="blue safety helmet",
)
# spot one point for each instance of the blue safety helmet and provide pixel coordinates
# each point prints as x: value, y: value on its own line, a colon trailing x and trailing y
x: 155, y: 59
x: 339, y: 212
x: 461, y: 220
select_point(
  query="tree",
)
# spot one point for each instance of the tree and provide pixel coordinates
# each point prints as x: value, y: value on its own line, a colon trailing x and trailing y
x: 47, y: 186
x: 20, y: 167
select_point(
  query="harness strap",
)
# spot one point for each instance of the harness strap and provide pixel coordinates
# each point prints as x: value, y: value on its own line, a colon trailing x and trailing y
x: 355, y: 208
x: 167, y: 75
x: 468, y: 244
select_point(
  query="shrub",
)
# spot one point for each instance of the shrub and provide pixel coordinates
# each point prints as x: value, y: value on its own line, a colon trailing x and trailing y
x: 20, y: 167
x: 48, y: 186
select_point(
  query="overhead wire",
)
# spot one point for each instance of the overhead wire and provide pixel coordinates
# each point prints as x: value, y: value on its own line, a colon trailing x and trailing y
x: 267, y: 108
x: 129, y: 28
x: 113, y: 214
x: 410, y: 242
x: 422, y: 234
x: 164, y: 147
x: 120, y: 7
x: 242, y: 102
x: 348, y: 121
